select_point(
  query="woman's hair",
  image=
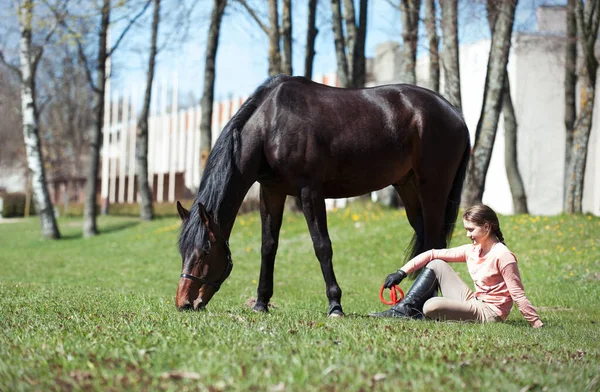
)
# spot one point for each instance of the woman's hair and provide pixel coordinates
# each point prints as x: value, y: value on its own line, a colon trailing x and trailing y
x: 480, y: 214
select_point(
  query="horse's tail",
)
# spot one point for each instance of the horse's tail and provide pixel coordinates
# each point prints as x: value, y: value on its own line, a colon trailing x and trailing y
x: 453, y: 202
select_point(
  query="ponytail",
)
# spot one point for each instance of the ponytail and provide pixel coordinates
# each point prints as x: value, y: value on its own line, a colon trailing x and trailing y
x: 499, y: 235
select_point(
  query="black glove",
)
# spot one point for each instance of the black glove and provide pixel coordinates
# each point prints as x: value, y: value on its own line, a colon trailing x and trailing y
x: 394, y: 279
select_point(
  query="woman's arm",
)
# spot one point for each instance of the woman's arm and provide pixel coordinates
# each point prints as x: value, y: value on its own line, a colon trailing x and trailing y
x: 510, y: 273
x: 458, y: 254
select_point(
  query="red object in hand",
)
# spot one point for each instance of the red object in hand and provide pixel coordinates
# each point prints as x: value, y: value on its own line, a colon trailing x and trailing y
x: 395, y: 291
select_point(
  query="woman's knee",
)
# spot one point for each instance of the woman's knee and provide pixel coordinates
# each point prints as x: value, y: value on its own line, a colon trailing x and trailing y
x: 433, y: 307
x: 436, y: 265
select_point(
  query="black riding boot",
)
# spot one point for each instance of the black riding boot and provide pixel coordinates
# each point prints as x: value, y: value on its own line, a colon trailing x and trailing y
x: 411, y: 306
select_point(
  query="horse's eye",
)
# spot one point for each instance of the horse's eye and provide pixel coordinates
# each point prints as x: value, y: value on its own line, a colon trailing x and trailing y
x: 205, y: 250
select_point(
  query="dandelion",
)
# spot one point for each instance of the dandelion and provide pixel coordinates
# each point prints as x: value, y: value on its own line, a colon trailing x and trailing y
x: 355, y: 217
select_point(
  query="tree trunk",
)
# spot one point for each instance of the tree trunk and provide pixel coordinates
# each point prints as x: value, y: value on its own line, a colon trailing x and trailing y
x: 450, y: 60
x: 141, y: 148
x: 492, y: 103
x: 570, y: 87
x: 311, y: 35
x: 409, y: 10
x: 510, y: 152
x: 359, y: 68
x: 432, y: 36
x: 286, y: 30
x: 274, y: 36
x: 587, y: 27
x: 581, y: 137
x: 350, y: 40
x: 510, y: 130
x: 90, y: 209
x: 209, y: 80
x: 340, y: 44
x: 31, y: 136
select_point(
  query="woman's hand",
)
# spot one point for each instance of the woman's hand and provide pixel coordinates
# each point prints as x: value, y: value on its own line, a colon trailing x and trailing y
x: 394, y: 279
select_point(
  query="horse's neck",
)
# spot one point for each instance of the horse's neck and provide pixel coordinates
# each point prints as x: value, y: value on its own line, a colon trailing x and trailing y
x: 225, y: 201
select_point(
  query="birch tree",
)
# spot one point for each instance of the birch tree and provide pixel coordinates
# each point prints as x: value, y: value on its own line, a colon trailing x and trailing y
x: 286, y: 37
x: 141, y: 148
x: 409, y: 11
x: 349, y: 41
x: 275, y: 33
x: 511, y: 164
x: 588, y: 19
x: 29, y: 59
x: 433, y: 38
x: 103, y: 53
x: 449, y: 58
x: 485, y: 133
x: 209, y: 79
x: 311, y: 35
x: 570, y: 88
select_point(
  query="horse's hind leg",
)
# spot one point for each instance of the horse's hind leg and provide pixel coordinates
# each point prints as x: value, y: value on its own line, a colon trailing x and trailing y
x: 313, y: 206
x: 271, y: 213
x: 409, y: 193
x: 434, y: 191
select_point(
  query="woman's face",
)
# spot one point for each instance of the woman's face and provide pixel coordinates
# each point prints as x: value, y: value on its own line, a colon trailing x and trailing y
x: 477, y: 234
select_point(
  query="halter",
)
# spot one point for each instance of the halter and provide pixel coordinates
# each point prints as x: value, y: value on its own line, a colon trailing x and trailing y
x: 218, y: 283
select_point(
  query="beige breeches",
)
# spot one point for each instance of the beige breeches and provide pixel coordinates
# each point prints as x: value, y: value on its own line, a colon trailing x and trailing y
x: 458, y: 301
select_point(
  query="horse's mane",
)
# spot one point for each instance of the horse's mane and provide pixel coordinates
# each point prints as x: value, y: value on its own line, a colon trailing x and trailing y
x: 220, y: 167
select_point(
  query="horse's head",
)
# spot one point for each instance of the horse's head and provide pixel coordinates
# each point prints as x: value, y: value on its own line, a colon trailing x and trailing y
x: 205, y: 256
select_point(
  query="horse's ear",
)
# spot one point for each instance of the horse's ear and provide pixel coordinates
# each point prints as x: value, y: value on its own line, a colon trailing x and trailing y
x: 206, y: 219
x: 183, y: 213
x: 204, y: 215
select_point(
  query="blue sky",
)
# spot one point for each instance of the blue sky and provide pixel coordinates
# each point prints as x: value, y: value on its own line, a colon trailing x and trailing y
x: 242, y: 56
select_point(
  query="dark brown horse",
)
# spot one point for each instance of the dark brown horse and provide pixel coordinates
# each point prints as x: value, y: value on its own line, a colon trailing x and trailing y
x: 300, y: 138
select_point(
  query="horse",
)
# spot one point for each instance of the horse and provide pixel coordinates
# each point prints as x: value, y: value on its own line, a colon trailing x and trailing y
x: 299, y: 138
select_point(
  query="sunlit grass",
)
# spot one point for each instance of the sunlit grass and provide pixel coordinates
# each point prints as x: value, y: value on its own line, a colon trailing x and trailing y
x: 98, y: 313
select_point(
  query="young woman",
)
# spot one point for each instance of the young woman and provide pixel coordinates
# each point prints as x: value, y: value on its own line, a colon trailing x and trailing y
x: 491, y: 265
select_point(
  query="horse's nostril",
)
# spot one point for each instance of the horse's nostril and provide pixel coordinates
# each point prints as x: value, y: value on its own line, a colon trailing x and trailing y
x: 187, y: 306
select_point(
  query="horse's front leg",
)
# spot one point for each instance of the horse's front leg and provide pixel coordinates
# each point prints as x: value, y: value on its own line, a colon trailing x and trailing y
x: 313, y: 206
x: 271, y: 213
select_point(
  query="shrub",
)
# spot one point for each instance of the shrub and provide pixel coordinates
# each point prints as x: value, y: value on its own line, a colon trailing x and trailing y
x: 14, y: 205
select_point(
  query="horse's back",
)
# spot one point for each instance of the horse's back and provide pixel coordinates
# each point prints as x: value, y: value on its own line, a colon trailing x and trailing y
x: 351, y: 140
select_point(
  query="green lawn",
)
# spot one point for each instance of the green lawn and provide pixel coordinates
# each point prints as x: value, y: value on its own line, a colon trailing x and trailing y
x: 99, y: 313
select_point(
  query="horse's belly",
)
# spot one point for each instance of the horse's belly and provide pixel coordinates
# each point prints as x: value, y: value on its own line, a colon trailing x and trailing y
x: 361, y: 181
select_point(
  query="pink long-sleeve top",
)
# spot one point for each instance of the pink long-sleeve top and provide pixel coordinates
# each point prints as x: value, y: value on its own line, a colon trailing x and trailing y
x: 496, y: 276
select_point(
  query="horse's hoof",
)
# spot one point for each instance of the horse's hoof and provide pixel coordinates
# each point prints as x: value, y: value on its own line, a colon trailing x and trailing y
x: 261, y: 308
x: 336, y: 311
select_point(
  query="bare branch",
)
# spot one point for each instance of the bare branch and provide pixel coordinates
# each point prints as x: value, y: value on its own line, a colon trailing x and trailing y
x: 85, y: 63
x: 131, y: 23
x: 10, y: 66
x: 80, y: 51
x: 254, y: 16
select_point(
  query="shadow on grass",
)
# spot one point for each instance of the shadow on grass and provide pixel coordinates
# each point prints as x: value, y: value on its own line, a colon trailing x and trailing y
x: 110, y: 229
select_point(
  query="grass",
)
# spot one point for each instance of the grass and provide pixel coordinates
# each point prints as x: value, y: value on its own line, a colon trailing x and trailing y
x: 98, y: 313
